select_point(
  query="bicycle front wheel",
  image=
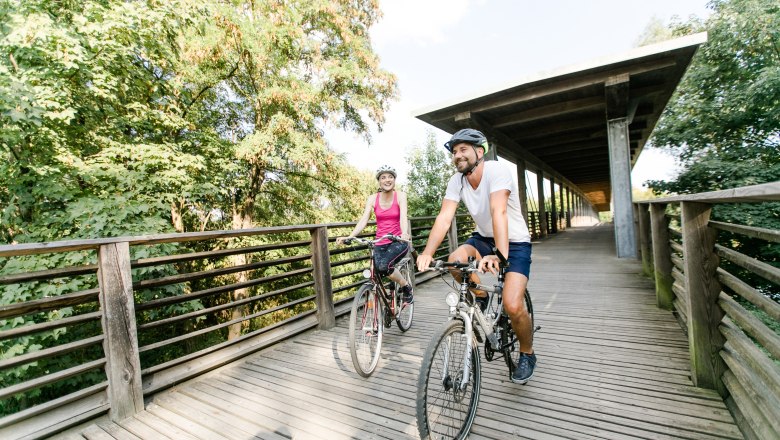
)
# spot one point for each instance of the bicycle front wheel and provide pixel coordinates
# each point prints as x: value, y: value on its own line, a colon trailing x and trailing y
x: 445, y: 407
x: 404, y: 310
x: 366, y: 330
x: 509, y: 340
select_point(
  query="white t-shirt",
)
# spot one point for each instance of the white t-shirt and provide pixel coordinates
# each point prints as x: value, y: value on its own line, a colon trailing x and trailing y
x: 495, y: 177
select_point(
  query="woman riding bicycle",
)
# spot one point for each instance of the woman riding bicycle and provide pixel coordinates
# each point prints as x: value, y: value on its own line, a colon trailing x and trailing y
x: 389, y: 208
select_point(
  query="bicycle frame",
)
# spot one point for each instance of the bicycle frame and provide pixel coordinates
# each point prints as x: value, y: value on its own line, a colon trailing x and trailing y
x: 468, y: 312
x: 375, y: 279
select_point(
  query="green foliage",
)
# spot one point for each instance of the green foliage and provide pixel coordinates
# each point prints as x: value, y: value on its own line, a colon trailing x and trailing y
x: 730, y: 97
x: 724, y: 121
x: 431, y: 169
x: 135, y: 118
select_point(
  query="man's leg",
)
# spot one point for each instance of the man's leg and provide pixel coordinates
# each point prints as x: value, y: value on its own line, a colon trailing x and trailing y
x: 514, y: 304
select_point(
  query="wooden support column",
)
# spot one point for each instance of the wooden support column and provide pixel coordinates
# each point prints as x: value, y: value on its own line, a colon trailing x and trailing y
x: 123, y: 365
x: 701, y: 262
x: 542, y: 209
x: 569, y: 198
x: 320, y: 261
x: 452, y: 236
x: 620, y: 173
x: 645, y: 248
x: 522, y: 191
x: 564, y: 206
x: 553, y: 208
x: 662, y: 256
x: 616, y: 91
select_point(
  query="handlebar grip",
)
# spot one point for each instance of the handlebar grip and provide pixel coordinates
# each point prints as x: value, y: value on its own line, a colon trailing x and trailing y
x: 500, y: 256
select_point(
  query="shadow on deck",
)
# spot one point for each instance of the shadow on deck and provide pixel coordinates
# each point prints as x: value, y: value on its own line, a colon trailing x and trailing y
x: 611, y: 365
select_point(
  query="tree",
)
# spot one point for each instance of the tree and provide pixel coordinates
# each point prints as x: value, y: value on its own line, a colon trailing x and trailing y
x: 654, y: 32
x: 724, y: 120
x: 130, y: 118
x: 431, y: 169
x: 728, y: 101
x: 282, y: 70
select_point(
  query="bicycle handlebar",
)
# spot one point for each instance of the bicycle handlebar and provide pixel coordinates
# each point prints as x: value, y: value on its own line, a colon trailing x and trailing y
x: 442, y: 266
x: 375, y: 241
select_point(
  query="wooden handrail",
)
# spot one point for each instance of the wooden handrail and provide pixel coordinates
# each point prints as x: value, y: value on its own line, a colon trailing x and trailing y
x: 720, y: 330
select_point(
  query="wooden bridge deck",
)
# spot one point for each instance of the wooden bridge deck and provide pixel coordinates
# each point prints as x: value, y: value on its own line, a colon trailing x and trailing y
x: 611, y: 365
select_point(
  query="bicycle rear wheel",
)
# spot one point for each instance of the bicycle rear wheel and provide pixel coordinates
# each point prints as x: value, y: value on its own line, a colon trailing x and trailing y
x: 444, y: 409
x: 509, y: 339
x: 404, y: 311
x: 366, y: 330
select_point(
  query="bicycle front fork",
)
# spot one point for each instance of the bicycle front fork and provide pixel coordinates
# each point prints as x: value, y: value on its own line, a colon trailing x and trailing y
x: 468, y: 329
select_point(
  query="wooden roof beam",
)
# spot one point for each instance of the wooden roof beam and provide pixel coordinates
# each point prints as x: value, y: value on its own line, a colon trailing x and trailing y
x: 549, y: 111
x: 511, y: 147
x: 560, y: 86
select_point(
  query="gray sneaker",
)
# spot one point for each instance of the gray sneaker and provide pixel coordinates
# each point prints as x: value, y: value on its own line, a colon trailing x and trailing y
x: 525, y: 369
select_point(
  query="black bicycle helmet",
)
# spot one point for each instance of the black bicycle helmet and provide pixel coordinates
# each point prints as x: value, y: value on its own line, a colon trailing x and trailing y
x: 469, y: 136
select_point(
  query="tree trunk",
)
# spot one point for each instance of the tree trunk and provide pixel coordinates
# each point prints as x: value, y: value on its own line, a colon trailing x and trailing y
x: 242, y: 219
x: 176, y: 217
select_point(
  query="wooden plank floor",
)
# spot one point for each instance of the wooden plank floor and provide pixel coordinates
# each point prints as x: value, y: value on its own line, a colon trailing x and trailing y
x: 610, y: 365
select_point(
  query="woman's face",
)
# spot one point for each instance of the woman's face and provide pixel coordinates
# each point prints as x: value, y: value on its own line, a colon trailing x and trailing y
x: 386, y: 181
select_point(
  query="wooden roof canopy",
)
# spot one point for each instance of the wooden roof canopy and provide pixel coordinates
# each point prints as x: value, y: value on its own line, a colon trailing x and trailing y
x: 557, y: 121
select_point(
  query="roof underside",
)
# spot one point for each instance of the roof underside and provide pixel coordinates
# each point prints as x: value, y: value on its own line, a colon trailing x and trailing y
x: 558, y: 123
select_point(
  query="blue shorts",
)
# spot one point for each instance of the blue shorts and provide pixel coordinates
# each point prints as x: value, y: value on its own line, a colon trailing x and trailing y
x: 519, y: 252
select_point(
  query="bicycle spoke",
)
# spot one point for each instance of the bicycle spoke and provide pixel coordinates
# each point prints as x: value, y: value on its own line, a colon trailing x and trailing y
x: 446, y: 410
x: 365, y: 331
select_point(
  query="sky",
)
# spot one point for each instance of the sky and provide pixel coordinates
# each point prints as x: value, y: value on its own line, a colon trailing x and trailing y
x: 441, y: 50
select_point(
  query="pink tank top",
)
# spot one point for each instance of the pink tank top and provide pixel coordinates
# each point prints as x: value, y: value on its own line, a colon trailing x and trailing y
x: 388, y: 221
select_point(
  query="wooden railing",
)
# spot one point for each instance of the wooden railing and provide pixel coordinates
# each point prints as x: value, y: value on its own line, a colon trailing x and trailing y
x: 145, y: 313
x: 732, y: 326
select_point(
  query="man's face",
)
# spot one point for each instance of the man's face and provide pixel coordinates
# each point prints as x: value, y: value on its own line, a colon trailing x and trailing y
x: 464, y: 156
x: 386, y: 181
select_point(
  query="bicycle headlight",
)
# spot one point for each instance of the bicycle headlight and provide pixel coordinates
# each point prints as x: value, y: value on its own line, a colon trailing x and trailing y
x: 366, y: 274
x: 452, y: 299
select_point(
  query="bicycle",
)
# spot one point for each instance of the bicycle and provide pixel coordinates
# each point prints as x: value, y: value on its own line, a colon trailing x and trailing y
x: 451, y: 372
x: 375, y: 307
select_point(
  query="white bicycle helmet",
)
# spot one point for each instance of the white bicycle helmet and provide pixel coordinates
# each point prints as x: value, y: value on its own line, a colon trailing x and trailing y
x: 385, y: 169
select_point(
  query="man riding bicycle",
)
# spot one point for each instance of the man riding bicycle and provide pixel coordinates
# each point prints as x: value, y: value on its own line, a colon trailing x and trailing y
x: 491, y: 196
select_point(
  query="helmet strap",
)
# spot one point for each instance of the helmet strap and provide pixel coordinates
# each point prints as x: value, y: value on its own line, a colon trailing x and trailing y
x: 471, y: 169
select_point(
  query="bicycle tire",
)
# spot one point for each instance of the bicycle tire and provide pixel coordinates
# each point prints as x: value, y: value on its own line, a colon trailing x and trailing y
x: 509, y: 340
x: 366, y: 330
x: 404, y: 311
x: 442, y: 410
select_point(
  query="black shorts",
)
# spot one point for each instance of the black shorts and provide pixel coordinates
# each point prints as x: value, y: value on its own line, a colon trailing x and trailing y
x: 519, y: 252
x: 386, y: 255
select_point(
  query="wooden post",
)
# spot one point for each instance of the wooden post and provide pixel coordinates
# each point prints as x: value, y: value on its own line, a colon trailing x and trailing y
x: 553, y: 208
x: 645, y: 249
x: 562, y: 218
x: 635, y: 209
x: 542, y: 210
x: 704, y: 339
x: 662, y: 256
x: 620, y: 175
x: 123, y: 365
x: 452, y: 235
x: 569, y: 198
x: 522, y: 191
x: 320, y: 261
